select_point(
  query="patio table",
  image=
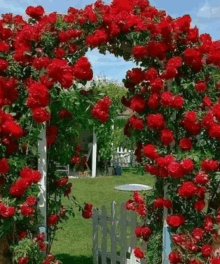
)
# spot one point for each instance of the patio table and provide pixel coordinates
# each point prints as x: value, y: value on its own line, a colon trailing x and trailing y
x: 133, y: 187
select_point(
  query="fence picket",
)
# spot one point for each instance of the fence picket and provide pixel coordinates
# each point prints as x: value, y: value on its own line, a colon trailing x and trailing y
x: 95, y: 236
x: 113, y: 234
x: 104, y: 235
x: 123, y: 234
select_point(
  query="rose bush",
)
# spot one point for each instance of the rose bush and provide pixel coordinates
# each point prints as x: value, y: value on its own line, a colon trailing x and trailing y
x: 173, y: 91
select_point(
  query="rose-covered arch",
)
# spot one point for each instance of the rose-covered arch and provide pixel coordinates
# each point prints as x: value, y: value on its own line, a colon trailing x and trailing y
x: 174, y: 92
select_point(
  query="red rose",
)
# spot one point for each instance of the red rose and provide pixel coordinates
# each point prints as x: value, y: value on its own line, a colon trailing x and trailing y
x: 175, y: 170
x: 7, y: 211
x: 151, y: 74
x: 87, y: 214
x: 3, y: 65
x: 62, y: 181
x: 35, y: 12
x: 209, y: 165
x: 13, y: 129
x: 185, y: 144
x: 153, y: 101
x: 206, y: 250
x: 166, y: 99
x: 165, y: 161
x: 150, y: 151
x: 156, y: 49
x: 170, y: 73
x: 59, y: 53
x: 158, y: 203
x: 193, y: 58
x: 151, y: 169
x: 99, y: 37
x: 187, y: 165
x: 64, y: 113
x: 146, y: 232
x: 139, y: 52
x: 177, y: 102
x: 216, y: 111
x: 41, y: 115
x: 31, y: 200
x: 215, y: 260
x: 208, y: 223
x: 175, y: 221
x: 167, y: 203
x: 4, y: 166
x: 174, y: 62
x: 138, y: 231
x: 198, y: 233
x: 4, y: 46
x: 157, y: 85
x: 27, y: 210
x: 199, y: 205
x: 201, y: 87
x: 51, y: 135
x: 166, y: 136
x: 187, y: 189
x: 136, y: 123
x: 23, y: 260
x: 207, y: 101
x: 201, y: 178
x: 23, y: 234
x: 193, y: 35
x: 129, y: 205
x: 178, y: 238
x: 190, y: 116
x: 214, y: 131
x: 137, y: 197
x: 138, y: 253
x: 136, y: 75
x: 175, y: 257
x: 155, y: 121
x: 40, y: 63
x: 87, y: 211
x: 53, y: 219
x: 19, y: 187
x: 137, y: 103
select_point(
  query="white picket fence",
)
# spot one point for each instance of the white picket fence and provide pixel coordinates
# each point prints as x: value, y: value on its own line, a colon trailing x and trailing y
x: 123, y: 158
x: 114, y: 238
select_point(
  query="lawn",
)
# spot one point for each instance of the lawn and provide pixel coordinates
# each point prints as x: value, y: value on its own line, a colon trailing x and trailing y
x: 73, y: 244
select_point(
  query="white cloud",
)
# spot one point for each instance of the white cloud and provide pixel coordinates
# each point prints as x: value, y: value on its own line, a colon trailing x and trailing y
x: 207, y: 11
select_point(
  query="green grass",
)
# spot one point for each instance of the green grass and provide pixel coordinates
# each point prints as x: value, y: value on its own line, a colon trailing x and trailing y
x: 73, y: 244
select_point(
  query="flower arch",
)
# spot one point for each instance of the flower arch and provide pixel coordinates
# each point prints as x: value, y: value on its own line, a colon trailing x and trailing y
x: 174, y: 92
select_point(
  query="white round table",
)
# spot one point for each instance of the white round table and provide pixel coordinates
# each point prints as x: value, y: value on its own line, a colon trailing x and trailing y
x: 133, y: 187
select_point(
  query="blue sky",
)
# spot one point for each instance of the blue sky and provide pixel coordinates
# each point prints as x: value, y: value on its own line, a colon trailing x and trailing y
x: 205, y: 15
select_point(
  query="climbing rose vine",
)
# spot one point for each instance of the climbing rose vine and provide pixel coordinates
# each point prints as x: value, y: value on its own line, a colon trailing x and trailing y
x: 173, y: 92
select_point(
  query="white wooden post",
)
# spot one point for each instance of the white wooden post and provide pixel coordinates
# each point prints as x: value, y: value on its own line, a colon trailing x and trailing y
x: 42, y: 167
x: 94, y: 154
x: 166, y: 235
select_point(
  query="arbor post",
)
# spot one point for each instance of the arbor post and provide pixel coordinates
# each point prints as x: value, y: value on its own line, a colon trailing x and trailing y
x: 166, y: 234
x: 42, y: 167
x: 94, y: 154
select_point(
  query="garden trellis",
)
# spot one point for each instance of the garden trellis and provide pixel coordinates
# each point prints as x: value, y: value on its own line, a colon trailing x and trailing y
x: 173, y: 93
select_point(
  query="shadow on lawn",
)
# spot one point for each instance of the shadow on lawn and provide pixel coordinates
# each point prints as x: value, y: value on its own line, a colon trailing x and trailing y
x: 67, y: 259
